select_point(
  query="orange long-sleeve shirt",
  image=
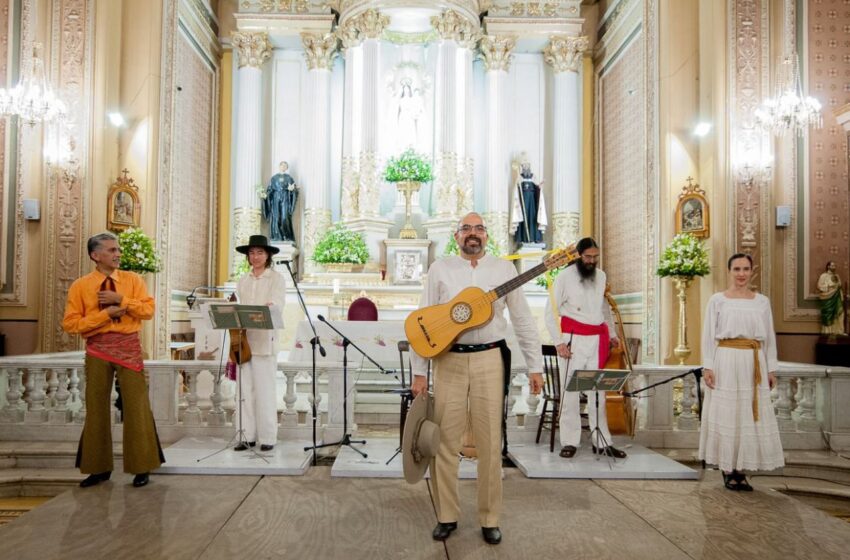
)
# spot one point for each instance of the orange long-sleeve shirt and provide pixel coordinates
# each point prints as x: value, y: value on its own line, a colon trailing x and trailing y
x: 83, y: 314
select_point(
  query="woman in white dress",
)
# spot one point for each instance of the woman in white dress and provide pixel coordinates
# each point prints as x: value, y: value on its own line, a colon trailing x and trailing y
x: 260, y: 286
x: 739, y: 430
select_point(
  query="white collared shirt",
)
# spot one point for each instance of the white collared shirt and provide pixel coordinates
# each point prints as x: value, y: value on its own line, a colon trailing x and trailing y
x: 268, y: 287
x: 448, y: 276
x: 581, y: 301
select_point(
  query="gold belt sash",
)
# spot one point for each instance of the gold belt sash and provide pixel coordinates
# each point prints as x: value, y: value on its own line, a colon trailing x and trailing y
x: 746, y: 344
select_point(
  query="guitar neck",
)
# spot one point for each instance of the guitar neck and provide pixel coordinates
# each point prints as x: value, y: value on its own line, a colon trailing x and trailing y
x: 519, y: 280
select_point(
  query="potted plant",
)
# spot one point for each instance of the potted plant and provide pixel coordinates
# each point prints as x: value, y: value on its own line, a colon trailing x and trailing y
x: 340, y: 249
x: 408, y: 171
x: 683, y: 259
x: 137, y: 252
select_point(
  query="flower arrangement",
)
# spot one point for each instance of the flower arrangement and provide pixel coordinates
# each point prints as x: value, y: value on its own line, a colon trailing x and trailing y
x: 684, y: 256
x: 341, y: 245
x: 453, y: 249
x: 409, y: 166
x: 137, y: 252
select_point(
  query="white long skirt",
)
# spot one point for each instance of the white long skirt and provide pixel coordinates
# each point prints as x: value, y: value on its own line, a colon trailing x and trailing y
x: 729, y: 437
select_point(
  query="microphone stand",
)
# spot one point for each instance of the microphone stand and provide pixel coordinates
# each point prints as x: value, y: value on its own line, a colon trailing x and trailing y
x: 346, y: 437
x: 314, y: 342
x: 697, y: 374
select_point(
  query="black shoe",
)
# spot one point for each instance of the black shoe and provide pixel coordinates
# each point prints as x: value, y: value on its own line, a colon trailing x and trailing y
x: 611, y: 451
x: 141, y: 480
x: 94, y: 479
x: 443, y: 530
x: 265, y: 447
x: 492, y: 535
x: 741, y: 479
x: 568, y: 451
x: 244, y: 445
x: 729, y: 481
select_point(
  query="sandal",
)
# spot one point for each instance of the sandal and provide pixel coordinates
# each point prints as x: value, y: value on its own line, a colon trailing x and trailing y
x: 730, y: 481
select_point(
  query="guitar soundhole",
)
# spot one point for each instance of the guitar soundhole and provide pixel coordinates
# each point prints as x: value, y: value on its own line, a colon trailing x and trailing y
x: 461, y: 313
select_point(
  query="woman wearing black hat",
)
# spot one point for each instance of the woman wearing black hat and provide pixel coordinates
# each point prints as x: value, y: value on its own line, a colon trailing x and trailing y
x: 260, y: 286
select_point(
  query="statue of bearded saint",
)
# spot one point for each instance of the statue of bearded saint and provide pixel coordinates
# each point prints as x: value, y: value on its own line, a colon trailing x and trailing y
x: 831, y: 301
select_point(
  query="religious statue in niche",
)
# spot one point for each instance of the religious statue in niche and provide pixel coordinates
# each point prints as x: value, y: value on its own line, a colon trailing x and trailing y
x: 831, y: 297
x: 279, y: 204
x: 407, y: 87
x: 528, y: 215
x: 123, y: 207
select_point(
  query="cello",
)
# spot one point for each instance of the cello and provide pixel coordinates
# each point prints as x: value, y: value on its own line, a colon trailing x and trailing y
x: 619, y: 408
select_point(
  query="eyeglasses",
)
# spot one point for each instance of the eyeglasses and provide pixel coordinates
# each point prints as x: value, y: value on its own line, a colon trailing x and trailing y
x: 590, y: 258
x: 466, y: 228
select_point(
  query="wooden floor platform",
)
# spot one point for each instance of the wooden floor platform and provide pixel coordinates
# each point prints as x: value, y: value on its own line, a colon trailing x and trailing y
x: 319, y: 516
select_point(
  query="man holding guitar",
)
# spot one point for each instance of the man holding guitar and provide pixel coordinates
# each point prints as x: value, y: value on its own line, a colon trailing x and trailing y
x: 583, y: 331
x: 472, y: 375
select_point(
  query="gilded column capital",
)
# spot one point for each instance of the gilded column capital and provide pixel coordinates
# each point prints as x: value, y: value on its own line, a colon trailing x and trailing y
x: 320, y: 50
x: 450, y: 25
x: 253, y: 48
x: 564, y: 53
x: 367, y: 25
x: 496, y: 51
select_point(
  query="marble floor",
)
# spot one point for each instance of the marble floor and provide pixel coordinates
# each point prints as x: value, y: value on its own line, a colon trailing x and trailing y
x: 209, y: 455
x: 321, y: 516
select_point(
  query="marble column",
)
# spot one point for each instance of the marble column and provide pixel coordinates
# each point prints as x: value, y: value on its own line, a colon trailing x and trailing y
x: 496, y: 53
x: 453, y: 164
x: 362, y: 169
x: 319, y: 52
x: 564, y: 55
x: 253, y: 50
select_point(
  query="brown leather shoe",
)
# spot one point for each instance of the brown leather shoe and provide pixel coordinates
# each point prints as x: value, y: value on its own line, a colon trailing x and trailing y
x: 568, y: 451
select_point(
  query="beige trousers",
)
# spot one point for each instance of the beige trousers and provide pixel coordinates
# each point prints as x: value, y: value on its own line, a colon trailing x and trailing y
x: 142, y: 452
x: 470, y: 382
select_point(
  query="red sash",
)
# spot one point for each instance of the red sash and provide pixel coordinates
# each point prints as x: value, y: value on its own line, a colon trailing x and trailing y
x: 118, y: 348
x: 572, y: 326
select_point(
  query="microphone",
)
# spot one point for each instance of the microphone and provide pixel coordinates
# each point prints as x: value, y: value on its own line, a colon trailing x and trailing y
x: 191, y: 299
x: 321, y: 318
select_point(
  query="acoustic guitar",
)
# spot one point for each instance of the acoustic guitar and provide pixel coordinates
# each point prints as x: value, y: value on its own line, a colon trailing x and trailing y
x: 433, y: 329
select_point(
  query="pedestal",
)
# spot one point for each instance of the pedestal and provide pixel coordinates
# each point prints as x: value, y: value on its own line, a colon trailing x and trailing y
x: 440, y: 231
x: 530, y: 255
x: 374, y: 231
x: 288, y: 252
x: 407, y: 260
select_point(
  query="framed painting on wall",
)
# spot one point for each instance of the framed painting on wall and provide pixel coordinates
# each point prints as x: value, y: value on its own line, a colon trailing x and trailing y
x: 692, y: 213
x: 123, y: 208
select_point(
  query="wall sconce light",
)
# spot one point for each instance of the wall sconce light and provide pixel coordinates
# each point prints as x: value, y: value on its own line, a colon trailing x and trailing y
x: 116, y: 119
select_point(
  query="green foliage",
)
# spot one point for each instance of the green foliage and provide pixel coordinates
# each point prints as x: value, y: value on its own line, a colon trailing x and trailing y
x: 409, y: 166
x: 453, y: 249
x: 684, y: 256
x: 137, y: 252
x: 341, y: 245
x: 548, y: 277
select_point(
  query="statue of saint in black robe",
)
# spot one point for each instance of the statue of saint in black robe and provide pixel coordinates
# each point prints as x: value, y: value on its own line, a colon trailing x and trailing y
x: 528, y: 195
x: 279, y: 205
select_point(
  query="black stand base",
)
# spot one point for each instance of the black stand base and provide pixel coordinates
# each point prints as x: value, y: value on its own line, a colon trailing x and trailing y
x: 346, y: 440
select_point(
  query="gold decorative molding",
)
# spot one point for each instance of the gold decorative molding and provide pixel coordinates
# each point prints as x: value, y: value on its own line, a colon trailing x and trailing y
x: 320, y: 50
x: 497, y: 229
x: 246, y: 222
x: 366, y: 25
x: 253, y: 48
x: 564, y: 53
x: 66, y: 213
x: 496, y: 52
x: 451, y: 26
x: 565, y: 228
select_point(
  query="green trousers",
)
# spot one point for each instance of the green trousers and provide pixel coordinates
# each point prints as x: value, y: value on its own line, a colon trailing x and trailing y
x: 142, y: 452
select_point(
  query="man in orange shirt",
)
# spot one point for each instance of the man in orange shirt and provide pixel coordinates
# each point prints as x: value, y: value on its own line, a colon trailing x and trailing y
x: 106, y: 307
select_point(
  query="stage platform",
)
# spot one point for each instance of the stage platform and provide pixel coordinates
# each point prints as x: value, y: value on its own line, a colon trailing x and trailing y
x: 215, y: 456
x: 349, y: 463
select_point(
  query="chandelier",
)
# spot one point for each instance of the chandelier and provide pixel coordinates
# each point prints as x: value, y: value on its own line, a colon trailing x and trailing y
x: 32, y: 100
x: 789, y: 109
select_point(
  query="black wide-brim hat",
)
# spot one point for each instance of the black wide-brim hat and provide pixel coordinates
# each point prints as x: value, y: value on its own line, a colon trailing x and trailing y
x: 260, y: 241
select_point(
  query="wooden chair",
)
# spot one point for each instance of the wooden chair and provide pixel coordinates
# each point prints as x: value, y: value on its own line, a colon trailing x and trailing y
x: 551, y: 395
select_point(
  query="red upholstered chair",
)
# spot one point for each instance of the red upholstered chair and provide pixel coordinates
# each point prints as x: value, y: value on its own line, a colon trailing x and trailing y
x: 362, y: 309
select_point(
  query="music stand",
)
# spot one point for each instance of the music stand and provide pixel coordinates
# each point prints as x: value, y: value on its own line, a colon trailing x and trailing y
x: 598, y: 380
x: 227, y: 316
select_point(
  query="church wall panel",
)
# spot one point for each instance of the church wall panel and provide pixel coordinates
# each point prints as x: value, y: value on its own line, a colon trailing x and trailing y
x: 191, y: 239
x: 622, y: 185
x: 827, y: 35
